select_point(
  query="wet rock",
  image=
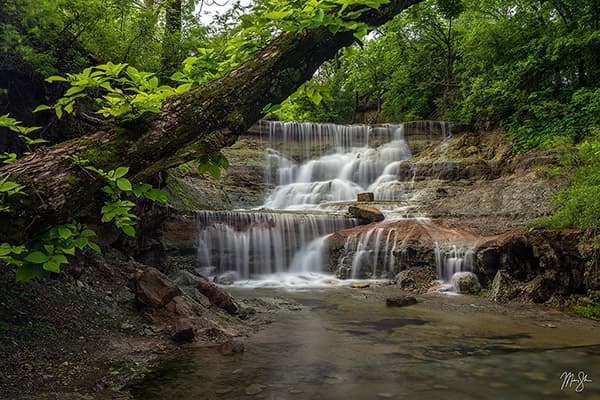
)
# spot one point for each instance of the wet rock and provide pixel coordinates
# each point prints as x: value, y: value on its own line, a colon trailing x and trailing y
x: 180, y: 306
x: 217, y: 296
x: 359, y: 285
x: 541, y: 288
x: 503, y: 287
x: 231, y: 347
x: 186, y: 278
x: 400, y: 301
x: 225, y: 279
x: 153, y: 288
x: 366, y: 196
x: 405, y: 280
x: 366, y: 214
x: 184, y: 331
x: 465, y: 283
x: 254, y: 389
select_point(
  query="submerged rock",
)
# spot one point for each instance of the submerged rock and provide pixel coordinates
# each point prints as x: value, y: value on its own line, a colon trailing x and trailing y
x: 465, y: 283
x: 153, y: 288
x: 254, y: 389
x: 366, y: 214
x: 231, y: 347
x: 400, y: 301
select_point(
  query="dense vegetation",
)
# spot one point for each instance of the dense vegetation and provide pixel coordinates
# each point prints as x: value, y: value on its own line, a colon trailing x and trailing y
x: 529, y: 67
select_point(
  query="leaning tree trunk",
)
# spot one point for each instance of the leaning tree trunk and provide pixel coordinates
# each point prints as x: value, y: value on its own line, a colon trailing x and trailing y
x: 195, y: 123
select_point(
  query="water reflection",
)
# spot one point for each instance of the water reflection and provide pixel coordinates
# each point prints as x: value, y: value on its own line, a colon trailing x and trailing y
x: 345, y: 345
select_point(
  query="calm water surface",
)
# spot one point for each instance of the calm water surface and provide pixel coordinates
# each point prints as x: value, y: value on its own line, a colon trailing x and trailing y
x: 344, y: 344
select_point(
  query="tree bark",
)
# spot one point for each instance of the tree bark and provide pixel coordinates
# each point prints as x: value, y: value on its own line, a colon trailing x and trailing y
x: 195, y: 123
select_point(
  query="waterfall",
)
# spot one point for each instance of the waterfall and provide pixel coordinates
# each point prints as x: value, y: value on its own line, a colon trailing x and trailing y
x: 333, y: 163
x: 372, y: 253
x: 307, y: 166
x: 452, y: 260
x: 255, y: 243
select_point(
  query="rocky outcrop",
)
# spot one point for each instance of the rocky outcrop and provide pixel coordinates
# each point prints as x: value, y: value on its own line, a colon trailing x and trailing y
x: 365, y: 214
x: 416, y: 279
x: 384, y: 249
x: 465, y: 283
x: 217, y: 296
x: 153, y: 288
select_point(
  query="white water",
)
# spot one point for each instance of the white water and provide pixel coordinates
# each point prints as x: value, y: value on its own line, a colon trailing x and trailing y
x: 253, y: 243
x: 337, y: 163
x: 452, y: 260
x: 307, y: 166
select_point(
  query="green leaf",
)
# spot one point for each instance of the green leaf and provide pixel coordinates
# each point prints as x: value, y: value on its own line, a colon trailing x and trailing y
x: 276, y: 15
x: 27, y: 272
x: 51, y: 266
x: 120, y: 172
x: 60, y: 259
x: 94, y: 247
x: 80, y: 243
x: 128, y: 230
x: 5, y: 249
x: 124, y: 184
x: 36, y: 257
x: 42, y: 107
x: 87, y: 233
x: 56, y: 78
x: 64, y: 233
x: 69, y: 250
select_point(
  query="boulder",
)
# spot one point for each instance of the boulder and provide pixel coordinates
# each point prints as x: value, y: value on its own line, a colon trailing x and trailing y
x: 400, y: 301
x: 405, y: 280
x: 366, y: 214
x: 366, y: 196
x: 217, y: 296
x: 184, y: 331
x: 359, y: 285
x: 503, y: 287
x: 153, y: 288
x: 226, y: 279
x: 186, y: 278
x: 231, y: 347
x: 465, y: 283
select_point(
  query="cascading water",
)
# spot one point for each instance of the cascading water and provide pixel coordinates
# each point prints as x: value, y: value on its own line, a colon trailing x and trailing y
x: 307, y: 166
x: 253, y: 243
x: 336, y: 162
x: 452, y: 260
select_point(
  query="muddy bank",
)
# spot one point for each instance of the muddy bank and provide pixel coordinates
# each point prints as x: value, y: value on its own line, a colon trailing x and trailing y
x: 85, y: 333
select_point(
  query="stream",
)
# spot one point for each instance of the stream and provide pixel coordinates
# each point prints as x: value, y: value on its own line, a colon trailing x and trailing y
x: 329, y: 341
x: 345, y: 344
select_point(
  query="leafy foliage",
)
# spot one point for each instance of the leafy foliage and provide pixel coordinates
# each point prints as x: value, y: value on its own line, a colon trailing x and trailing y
x: 47, y: 254
x: 124, y: 92
x: 119, y: 189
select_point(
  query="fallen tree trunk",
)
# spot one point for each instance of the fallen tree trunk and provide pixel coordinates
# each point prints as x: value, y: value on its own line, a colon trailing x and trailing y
x: 195, y: 123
